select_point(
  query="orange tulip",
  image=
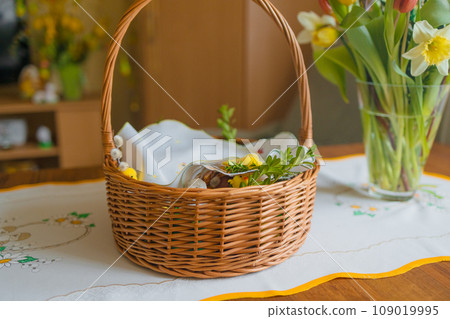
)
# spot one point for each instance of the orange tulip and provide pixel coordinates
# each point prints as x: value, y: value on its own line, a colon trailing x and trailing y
x: 405, y: 6
x: 326, y: 7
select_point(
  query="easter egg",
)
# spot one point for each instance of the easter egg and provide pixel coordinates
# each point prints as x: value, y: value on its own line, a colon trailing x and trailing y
x: 130, y: 172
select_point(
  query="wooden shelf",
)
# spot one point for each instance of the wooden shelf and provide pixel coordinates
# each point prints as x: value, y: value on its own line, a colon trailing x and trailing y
x: 24, y: 107
x: 75, y: 125
x: 10, y: 103
x: 27, y: 151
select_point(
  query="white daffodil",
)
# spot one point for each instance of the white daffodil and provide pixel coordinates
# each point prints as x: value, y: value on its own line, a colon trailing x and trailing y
x: 320, y: 31
x: 433, y: 48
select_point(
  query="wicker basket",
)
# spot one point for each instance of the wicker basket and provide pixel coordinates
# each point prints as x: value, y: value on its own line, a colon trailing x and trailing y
x: 208, y: 233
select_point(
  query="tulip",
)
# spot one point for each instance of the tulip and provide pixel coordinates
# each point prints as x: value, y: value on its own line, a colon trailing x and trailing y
x: 326, y: 7
x: 347, y: 2
x: 405, y: 6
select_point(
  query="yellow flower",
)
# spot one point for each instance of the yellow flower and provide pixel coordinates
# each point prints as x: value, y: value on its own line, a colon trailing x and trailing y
x: 50, y: 33
x: 321, y: 31
x: 27, y: 88
x: 65, y: 21
x: 98, y: 31
x: 72, y: 23
x: 44, y: 73
x: 251, y: 160
x: 433, y: 49
x: 347, y: 2
x: 325, y: 37
x: 38, y: 23
x: 48, y: 19
x: 75, y: 25
x: 238, y: 181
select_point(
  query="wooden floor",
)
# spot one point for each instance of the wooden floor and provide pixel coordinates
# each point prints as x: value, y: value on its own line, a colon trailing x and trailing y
x: 428, y: 282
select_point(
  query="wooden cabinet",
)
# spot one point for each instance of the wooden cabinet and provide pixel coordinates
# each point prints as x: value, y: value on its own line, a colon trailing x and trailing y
x: 75, y: 130
x: 206, y: 53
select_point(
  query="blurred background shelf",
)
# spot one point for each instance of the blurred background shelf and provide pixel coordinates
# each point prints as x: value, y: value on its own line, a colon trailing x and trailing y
x: 75, y: 127
x: 28, y: 151
x: 10, y: 103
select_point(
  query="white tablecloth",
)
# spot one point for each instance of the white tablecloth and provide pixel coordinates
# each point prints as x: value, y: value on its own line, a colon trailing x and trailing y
x: 55, y: 242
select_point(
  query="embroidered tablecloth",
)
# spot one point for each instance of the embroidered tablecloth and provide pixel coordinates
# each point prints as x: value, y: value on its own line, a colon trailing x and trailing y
x: 56, y: 242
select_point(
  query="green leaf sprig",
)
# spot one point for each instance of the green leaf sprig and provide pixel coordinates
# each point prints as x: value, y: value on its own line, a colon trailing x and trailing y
x: 233, y: 167
x: 228, y: 132
x: 275, y: 168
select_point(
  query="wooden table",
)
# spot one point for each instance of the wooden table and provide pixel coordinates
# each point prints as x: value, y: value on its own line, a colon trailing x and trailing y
x: 429, y: 282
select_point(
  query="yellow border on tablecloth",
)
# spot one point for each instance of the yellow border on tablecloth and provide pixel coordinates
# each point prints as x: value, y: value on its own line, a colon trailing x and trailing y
x: 319, y: 281
x: 343, y: 157
x: 25, y: 186
x: 301, y: 288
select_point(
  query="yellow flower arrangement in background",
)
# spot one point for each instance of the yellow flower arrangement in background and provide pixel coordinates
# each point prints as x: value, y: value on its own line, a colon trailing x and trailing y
x: 59, y: 42
x: 55, y: 32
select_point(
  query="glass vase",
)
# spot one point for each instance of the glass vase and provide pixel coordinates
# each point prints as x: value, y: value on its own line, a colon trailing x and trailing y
x: 400, y: 123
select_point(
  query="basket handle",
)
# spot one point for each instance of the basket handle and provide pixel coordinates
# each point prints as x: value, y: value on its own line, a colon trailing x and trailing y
x: 306, y: 133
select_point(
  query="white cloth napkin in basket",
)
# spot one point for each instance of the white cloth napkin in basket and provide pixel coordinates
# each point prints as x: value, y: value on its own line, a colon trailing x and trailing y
x: 161, y: 151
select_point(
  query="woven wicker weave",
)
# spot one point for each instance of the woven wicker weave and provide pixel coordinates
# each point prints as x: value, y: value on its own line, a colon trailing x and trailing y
x: 208, y: 233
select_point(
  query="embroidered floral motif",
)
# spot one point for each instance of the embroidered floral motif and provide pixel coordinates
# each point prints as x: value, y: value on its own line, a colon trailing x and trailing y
x: 7, y: 259
x: 427, y: 195
x: 431, y: 197
x: 71, y: 220
x: 360, y: 213
x: 15, y: 248
x: 33, y: 264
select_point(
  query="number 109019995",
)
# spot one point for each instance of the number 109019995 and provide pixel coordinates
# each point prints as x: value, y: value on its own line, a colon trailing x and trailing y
x: 405, y: 310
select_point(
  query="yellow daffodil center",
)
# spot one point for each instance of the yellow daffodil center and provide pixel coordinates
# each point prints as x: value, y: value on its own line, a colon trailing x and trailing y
x: 60, y: 220
x: 75, y: 222
x: 325, y: 36
x: 437, y: 50
x: 4, y: 261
